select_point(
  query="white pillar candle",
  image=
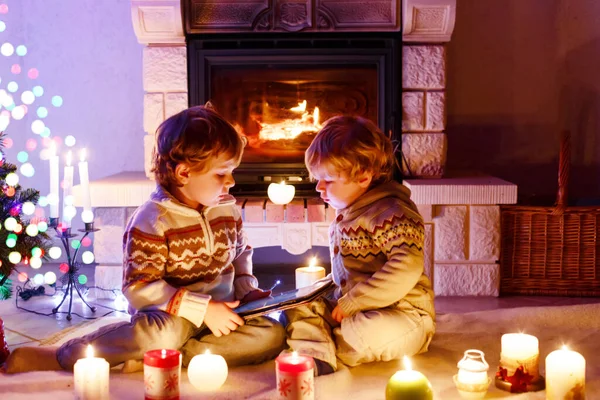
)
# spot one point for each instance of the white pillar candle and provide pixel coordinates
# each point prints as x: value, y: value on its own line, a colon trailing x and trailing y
x: 565, y: 375
x: 306, y: 276
x: 207, y: 372
x: 280, y: 193
x: 91, y: 377
x: 520, y: 350
x: 84, y: 179
x: 68, y: 209
x: 54, y: 182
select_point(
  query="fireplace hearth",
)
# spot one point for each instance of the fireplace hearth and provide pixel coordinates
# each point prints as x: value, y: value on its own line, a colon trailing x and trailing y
x: 278, y: 88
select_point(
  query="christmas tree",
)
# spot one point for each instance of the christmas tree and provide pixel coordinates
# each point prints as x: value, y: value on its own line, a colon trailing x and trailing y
x: 21, y: 239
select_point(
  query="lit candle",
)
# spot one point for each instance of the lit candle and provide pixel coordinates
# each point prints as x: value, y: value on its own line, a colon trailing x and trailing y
x: 162, y: 374
x: 565, y: 375
x: 207, y: 372
x: 91, y: 377
x: 407, y: 384
x: 87, y: 215
x: 68, y: 209
x: 54, y: 182
x: 472, y: 380
x: 306, y: 276
x: 280, y: 193
x: 519, y: 359
x: 295, y: 376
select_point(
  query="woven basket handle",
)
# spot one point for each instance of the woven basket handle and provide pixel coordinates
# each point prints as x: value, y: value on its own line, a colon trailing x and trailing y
x: 564, y: 162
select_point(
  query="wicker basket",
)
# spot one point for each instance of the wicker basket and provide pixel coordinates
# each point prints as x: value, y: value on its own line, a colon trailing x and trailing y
x: 552, y: 251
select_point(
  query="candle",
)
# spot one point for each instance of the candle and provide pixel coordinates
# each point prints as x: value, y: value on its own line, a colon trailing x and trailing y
x: 162, y: 374
x: 280, y: 193
x: 295, y: 376
x: 519, y: 358
x: 565, y: 375
x: 91, y: 377
x: 408, y: 384
x: 472, y: 380
x: 87, y: 215
x: 306, y: 276
x: 68, y: 209
x: 54, y: 183
x: 207, y: 372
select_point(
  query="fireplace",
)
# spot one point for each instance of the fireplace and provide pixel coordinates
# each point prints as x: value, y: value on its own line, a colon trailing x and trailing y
x: 278, y: 89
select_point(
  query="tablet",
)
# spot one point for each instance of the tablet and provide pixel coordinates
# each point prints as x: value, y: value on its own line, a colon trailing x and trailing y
x: 283, y: 300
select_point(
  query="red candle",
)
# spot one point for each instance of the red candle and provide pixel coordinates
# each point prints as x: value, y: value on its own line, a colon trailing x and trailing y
x: 295, y: 376
x: 162, y: 373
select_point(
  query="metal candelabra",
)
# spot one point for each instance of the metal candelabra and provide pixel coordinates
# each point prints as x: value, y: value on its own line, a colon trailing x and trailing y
x: 69, y: 279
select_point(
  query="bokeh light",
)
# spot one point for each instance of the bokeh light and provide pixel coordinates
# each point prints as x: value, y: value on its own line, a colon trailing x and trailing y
x: 75, y: 244
x: 14, y: 257
x: 38, y: 279
x: 22, y: 277
x: 7, y: 49
x: 10, y: 224
x: 8, y: 142
x: 42, y: 112
x: 42, y: 226
x: 3, y: 8
x: 27, y: 170
x: 87, y: 257
x: 57, y: 101
x: 64, y: 268
x: 21, y: 50
x: 22, y: 156
x: 2, y: 26
x: 82, y: 279
x: 38, y: 126
x: 55, y: 252
x: 38, y: 91
x: 18, y: 113
x: 27, y: 97
x: 46, y: 132
x: 28, y: 208
x: 86, y: 242
x: 15, y: 69
x: 33, y: 73
x: 50, y: 278
x: 36, y: 252
x: 12, y: 179
x: 31, y: 144
x: 35, y: 262
x: 70, y: 141
x: 12, y: 87
x: 31, y: 230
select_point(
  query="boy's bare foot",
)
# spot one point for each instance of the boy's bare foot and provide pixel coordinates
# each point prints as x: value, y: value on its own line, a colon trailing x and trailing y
x: 132, y: 366
x: 26, y: 359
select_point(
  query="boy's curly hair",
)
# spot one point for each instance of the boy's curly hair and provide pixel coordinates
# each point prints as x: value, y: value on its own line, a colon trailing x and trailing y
x: 352, y: 146
x: 194, y: 137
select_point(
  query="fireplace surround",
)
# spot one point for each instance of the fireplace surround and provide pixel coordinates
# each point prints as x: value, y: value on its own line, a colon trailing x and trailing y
x: 461, y: 214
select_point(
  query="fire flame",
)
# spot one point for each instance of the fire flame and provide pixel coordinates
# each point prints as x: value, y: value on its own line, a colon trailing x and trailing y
x: 290, y: 128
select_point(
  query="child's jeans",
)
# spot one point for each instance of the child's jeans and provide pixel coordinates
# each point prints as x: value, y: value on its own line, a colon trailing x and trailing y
x: 374, y: 335
x: 259, y: 340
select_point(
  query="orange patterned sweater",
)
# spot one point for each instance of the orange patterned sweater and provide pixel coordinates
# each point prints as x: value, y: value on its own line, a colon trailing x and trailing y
x: 176, y: 258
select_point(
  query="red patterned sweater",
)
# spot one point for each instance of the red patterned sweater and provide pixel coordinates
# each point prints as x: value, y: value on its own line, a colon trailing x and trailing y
x: 176, y: 258
x: 377, y: 252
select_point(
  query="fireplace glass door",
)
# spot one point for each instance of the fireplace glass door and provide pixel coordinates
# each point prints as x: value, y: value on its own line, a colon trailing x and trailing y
x: 280, y: 108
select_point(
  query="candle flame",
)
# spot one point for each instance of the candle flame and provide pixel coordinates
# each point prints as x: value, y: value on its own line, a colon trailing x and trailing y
x: 282, y: 183
x: 207, y: 351
x: 316, y: 117
x: 82, y: 155
x: 313, y: 262
x: 564, y: 347
x: 163, y: 353
x: 89, y: 352
x: 407, y: 364
x: 69, y: 158
x: 294, y: 354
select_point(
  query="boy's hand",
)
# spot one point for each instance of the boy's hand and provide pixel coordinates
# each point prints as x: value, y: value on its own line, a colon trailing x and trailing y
x: 255, y: 295
x: 338, y: 314
x: 220, y: 319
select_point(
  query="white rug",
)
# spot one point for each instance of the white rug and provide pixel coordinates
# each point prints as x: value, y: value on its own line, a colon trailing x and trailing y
x: 577, y: 326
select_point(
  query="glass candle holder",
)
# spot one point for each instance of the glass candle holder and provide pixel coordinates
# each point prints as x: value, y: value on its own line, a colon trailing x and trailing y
x: 472, y: 380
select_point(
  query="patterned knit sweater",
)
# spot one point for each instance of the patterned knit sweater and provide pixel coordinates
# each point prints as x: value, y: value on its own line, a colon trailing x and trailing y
x: 176, y: 258
x: 376, y: 249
